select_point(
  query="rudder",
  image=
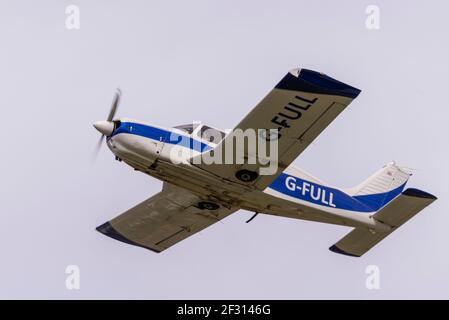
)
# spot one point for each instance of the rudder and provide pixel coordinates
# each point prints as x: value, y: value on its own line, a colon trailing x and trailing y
x: 381, y: 187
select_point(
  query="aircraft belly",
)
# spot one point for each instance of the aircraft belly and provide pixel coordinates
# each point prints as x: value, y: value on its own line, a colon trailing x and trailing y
x: 276, y: 204
x: 145, y: 155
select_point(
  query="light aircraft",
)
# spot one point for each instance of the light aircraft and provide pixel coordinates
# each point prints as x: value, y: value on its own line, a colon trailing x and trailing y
x: 195, y: 195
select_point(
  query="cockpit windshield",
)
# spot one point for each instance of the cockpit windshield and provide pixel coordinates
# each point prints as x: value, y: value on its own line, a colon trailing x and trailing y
x: 206, y: 133
x: 187, y: 127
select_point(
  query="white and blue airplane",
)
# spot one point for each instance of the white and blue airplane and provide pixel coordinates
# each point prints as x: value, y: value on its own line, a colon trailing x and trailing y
x: 196, y: 195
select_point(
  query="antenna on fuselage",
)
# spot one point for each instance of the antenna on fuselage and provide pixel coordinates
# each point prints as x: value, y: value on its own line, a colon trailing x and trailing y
x: 249, y: 220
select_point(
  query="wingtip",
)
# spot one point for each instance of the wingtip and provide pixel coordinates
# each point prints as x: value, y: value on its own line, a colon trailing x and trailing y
x: 108, y: 230
x: 412, y: 192
x: 312, y: 81
x: 336, y: 249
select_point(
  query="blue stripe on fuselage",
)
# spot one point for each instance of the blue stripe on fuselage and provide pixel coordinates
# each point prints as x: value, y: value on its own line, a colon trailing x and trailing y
x: 331, y: 197
x: 378, y: 200
x: 157, y: 134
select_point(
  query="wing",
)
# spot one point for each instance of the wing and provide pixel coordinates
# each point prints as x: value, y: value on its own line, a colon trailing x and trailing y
x: 163, y: 220
x: 300, y: 107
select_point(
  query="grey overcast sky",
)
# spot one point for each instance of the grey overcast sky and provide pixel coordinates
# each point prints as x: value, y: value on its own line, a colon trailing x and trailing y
x: 180, y: 61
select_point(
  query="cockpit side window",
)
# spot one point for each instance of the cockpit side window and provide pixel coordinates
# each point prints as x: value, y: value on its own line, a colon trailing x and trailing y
x: 187, y: 127
x: 211, y: 135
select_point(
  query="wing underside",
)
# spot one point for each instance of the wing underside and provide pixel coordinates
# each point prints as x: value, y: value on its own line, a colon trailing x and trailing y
x: 163, y: 220
x: 300, y: 107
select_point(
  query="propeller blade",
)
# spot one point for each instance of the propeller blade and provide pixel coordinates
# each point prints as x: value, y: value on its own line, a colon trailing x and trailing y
x: 111, y: 116
x: 97, y: 148
x: 115, y: 104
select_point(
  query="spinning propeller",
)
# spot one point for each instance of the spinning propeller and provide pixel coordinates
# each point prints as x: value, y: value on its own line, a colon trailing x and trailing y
x: 106, y: 127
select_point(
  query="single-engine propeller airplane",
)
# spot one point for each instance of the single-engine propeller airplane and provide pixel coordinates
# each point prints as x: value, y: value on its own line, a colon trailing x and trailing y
x: 195, y: 194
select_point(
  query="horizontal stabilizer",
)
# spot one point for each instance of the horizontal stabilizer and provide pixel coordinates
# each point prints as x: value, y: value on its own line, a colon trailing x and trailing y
x: 394, y: 214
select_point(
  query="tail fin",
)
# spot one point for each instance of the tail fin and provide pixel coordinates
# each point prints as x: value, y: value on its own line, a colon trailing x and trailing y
x: 382, y: 187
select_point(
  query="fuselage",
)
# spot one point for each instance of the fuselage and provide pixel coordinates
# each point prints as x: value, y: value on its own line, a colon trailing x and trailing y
x: 165, y: 154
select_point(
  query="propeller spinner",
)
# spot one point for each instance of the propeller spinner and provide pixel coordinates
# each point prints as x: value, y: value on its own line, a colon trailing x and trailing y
x: 106, y: 127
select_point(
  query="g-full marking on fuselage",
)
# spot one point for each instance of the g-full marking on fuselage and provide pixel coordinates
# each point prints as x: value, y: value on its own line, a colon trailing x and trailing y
x: 305, y: 188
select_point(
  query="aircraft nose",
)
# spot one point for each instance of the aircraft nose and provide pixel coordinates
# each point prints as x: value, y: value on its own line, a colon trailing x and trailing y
x: 105, y: 127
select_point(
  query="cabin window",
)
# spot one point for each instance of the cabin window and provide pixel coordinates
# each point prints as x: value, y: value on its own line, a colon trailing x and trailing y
x: 211, y: 135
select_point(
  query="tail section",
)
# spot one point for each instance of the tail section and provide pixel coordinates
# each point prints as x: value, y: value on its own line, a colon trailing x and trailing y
x: 394, y: 214
x: 382, y: 187
x: 383, y: 192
